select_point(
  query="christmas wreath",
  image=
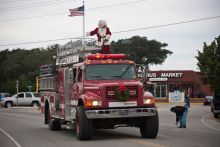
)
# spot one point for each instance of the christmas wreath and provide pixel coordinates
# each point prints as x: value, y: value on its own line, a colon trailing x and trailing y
x: 122, y: 93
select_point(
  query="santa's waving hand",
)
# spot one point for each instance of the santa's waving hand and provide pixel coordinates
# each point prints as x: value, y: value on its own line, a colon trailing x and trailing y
x: 103, y: 34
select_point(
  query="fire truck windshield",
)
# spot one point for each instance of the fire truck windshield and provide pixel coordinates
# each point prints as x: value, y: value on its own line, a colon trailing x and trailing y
x: 110, y: 72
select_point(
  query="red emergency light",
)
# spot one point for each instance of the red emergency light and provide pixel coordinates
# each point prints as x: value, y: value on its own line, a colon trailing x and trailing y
x: 106, y: 56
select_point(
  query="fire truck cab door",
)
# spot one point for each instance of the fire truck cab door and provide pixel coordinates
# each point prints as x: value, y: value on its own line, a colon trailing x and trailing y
x: 77, y: 87
x: 78, y: 84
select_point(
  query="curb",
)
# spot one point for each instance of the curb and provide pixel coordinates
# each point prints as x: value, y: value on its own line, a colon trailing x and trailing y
x: 25, y: 109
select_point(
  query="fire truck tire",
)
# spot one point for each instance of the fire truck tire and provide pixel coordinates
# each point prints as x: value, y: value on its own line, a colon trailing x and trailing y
x: 149, y: 127
x: 83, y: 126
x: 54, y: 124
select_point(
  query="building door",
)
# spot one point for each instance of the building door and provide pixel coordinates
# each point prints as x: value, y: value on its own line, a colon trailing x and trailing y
x: 161, y: 90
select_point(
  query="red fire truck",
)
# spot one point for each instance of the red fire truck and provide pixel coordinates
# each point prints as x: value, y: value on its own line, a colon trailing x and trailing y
x: 95, y: 91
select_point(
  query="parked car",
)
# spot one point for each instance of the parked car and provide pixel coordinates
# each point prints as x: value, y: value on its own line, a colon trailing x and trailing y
x: 4, y: 94
x: 207, y: 100
x: 215, y: 104
x: 23, y: 99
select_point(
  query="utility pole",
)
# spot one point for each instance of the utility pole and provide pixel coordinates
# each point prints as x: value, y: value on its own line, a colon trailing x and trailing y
x: 83, y: 41
x: 17, y: 88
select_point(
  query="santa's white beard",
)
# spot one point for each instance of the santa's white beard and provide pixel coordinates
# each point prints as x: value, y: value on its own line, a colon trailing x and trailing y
x: 102, y: 32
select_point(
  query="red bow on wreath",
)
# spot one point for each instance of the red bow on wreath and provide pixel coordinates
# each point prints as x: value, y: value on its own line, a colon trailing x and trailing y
x: 122, y: 93
x: 122, y: 88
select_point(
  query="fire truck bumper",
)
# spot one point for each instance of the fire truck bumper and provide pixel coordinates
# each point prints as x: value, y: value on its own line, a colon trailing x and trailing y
x: 120, y: 113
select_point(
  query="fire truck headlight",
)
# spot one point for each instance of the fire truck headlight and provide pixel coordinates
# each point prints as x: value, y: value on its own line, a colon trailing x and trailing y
x: 96, y: 103
x: 148, y: 101
x: 93, y: 103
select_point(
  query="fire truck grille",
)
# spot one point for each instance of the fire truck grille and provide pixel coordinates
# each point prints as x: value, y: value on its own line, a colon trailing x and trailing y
x: 110, y: 92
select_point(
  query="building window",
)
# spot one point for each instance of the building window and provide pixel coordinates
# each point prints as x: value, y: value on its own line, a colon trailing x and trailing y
x: 161, y: 90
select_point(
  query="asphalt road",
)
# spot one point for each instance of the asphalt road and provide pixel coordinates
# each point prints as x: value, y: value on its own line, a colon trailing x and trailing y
x: 26, y: 129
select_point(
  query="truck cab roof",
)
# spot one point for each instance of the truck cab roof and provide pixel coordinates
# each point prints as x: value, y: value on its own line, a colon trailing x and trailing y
x: 104, y: 59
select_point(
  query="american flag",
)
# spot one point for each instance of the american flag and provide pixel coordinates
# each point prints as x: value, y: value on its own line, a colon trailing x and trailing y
x: 77, y: 11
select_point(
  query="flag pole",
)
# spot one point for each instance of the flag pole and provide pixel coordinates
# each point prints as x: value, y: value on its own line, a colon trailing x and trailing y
x: 84, y: 26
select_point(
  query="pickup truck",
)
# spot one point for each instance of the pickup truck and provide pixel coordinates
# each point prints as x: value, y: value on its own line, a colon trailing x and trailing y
x: 215, y: 104
x: 22, y: 99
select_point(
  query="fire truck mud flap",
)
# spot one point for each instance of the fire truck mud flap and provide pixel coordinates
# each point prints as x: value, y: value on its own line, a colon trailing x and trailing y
x: 120, y: 113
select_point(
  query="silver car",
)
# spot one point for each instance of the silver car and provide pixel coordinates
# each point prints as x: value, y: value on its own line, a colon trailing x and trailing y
x: 22, y: 99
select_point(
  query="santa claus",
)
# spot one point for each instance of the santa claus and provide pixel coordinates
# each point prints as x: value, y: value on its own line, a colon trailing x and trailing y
x: 103, y: 34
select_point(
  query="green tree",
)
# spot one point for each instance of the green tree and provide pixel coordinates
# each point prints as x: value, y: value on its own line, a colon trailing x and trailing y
x: 23, y: 65
x: 209, y: 63
x: 141, y: 50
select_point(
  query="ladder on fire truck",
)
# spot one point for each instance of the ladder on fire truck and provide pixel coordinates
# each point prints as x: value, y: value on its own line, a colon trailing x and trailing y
x: 74, y: 52
x: 67, y: 55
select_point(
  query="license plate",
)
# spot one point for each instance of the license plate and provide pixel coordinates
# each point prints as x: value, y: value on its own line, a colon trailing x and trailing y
x: 123, y: 104
x: 123, y: 112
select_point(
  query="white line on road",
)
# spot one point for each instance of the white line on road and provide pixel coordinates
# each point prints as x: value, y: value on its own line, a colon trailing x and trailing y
x: 206, y: 124
x: 11, y: 138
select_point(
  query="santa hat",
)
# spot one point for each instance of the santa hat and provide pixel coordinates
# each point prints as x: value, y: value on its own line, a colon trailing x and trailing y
x: 102, y: 23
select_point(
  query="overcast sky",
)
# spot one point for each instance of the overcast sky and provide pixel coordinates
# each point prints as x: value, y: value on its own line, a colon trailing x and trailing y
x: 184, y: 39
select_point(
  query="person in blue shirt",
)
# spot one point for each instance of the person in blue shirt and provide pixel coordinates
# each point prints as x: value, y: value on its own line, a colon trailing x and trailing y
x: 179, y: 110
x: 182, y: 111
x: 185, y: 113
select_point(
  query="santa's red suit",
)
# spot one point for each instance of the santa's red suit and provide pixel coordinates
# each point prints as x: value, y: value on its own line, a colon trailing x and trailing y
x: 103, y: 34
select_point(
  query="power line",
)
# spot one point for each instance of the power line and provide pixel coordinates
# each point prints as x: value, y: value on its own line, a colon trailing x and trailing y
x: 28, y: 4
x: 6, y: 2
x: 39, y: 16
x: 42, y: 41
x: 40, y: 3
x: 35, y: 5
x: 122, y: 31
x: 116, y: 5
x: 60, y: 13
x: 169, y: 24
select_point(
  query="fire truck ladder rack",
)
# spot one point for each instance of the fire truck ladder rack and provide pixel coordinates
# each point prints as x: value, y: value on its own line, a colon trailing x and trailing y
x: 46, y: 70
x: 47, y: 78
x: 75, y: 51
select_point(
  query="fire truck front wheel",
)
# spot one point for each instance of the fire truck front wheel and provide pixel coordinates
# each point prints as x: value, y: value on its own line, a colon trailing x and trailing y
x: 149, y: 127
x: 83, y: 126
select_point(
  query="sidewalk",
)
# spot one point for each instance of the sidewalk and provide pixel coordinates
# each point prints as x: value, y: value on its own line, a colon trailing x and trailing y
x: 25, y: 109
x: 192, y: 100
